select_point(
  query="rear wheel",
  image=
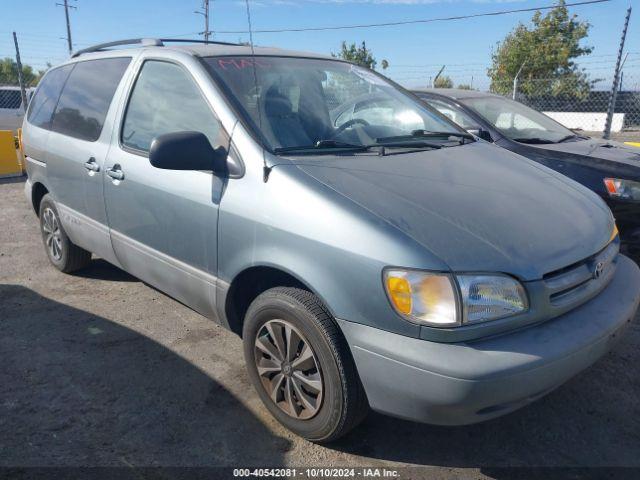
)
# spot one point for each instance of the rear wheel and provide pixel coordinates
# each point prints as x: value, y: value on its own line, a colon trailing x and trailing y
x: 62, y: 253
x: 301, y: 365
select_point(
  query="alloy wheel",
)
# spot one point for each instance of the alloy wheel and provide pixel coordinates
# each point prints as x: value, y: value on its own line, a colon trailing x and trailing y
x: 288, y: 369
x: 52, y: 234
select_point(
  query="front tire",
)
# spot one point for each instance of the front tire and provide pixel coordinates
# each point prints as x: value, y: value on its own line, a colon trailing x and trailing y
x: 301, y: 365
x: 62, y: 253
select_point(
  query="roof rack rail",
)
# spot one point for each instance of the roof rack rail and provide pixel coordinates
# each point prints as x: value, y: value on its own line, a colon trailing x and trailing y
x: 145, y: 42
x: 206, y: 42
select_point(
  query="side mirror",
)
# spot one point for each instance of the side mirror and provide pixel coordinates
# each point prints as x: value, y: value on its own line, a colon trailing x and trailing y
x: 479, y: 132
x: 186, y: 151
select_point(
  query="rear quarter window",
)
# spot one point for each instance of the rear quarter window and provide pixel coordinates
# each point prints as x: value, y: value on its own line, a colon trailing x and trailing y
x: 86, y: 96
x: 46, y: 97
x: 10, y: 99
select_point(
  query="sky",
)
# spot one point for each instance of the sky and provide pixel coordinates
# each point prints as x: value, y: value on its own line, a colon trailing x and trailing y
x: 415, y: 52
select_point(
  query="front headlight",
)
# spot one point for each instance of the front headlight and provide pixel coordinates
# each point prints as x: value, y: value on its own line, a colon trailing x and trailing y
x: 487, y: 297
x: 621, y: 188
x: 442, y: 300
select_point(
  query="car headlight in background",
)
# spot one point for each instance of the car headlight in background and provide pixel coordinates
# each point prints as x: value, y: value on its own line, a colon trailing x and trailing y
x: 621, y: 188
x: 443, y: 300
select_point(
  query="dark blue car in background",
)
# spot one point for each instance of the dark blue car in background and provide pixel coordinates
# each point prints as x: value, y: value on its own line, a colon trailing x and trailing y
x: 611, y: 169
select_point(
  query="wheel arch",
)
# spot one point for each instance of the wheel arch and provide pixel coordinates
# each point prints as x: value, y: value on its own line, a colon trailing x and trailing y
x: 251, y: 282
x: 38, y: 191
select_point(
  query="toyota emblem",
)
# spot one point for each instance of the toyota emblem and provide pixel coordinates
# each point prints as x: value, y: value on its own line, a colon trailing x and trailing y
x: 597, y: 272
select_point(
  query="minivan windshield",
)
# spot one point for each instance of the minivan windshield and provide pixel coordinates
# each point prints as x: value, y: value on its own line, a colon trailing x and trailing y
x: 319, y: 105
x: 519, y: 122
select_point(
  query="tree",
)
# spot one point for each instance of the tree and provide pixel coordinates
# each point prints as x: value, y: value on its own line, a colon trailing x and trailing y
x: 545, y: 50
x: 359, y: 55
x: 465, y: 86
x: 9, y: 73
x: 443, y: 81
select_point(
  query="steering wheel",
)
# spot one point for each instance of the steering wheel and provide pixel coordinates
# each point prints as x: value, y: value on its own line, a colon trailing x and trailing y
x: 349, y: 123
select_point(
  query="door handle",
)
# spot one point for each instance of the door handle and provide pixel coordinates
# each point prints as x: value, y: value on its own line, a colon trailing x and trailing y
x: 91, y: 165
x: 115, y: 172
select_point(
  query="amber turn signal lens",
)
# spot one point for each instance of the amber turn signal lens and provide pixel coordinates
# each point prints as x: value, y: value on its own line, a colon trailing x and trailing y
x: 400, y: 293
x: 423, y: 297
x: 614, y: 233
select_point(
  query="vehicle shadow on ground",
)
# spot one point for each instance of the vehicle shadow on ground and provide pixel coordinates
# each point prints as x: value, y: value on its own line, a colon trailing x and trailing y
x: 591, y: 421
x: 78, y: 390
x: 100, y: 269
x: 5, y: 180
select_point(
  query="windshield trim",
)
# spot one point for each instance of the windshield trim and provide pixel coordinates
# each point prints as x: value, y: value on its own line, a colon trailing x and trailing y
x: 254, y: 131
x: 464, y: 101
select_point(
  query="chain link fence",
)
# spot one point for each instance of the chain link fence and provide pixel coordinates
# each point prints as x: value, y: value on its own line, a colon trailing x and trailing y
x: 10, y: 94
x: 583, y: 105
x: 578, y: 103
x: 12, y: 108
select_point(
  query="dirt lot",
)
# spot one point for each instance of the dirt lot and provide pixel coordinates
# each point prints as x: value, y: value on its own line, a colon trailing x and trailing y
x: 99, y: 369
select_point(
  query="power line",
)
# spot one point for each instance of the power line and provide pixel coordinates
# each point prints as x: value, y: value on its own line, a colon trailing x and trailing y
x: 412, y: 22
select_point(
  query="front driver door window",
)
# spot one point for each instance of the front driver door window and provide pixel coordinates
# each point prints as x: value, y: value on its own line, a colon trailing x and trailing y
x: 164, y: 100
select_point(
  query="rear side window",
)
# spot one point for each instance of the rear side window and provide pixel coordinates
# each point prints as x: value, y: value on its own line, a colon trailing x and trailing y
x: 86, y: 97
x: 10, y: 99
x: 46, y: 97
x: 165, y: 99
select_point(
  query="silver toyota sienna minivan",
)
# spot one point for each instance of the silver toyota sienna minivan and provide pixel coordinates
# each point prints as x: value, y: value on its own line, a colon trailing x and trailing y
x: 376, y: 257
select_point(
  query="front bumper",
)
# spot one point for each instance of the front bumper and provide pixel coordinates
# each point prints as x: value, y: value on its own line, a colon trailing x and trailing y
x: 463, y: 383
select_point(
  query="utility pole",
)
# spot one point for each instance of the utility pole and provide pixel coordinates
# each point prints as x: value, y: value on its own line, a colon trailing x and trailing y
x: 23, y: 92
x: 437, y: 76
x: 616, y: 78
x: 205, y: 13
x: 66, y: 14
x: 515, y: 80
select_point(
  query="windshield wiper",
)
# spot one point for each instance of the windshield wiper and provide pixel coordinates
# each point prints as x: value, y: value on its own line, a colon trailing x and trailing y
x: 328, y: 146
x: 336, y: 144
x: 429, y: 133
x: 323, y: 145
x: 532, y: 140
x: 407, y: 144
x: 419, y: 134
x: 571, y: 137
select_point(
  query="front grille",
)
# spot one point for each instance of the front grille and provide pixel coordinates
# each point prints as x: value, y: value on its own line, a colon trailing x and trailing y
x: 579, y: 282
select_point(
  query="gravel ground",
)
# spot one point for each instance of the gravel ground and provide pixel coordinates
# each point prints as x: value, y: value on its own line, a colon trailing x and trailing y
x: 99, y: 369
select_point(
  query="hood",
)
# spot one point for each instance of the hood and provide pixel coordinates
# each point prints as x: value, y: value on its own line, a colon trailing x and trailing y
x: 478, y: 207
x: 597, y: 149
